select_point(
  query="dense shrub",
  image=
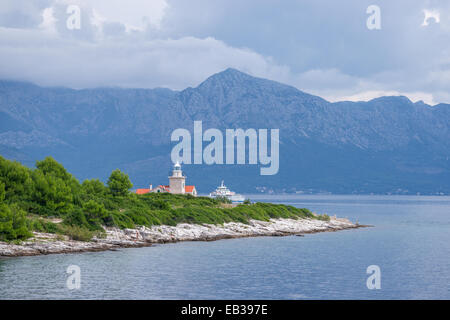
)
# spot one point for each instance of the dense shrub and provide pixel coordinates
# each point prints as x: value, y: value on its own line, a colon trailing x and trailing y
x: 78, y: 233
x: 40, y: 225
x: 76, y: 218
x: 13, y: 224
x: 16, y: 180
x: 94, y: 187
x: 95, y: 214
x: 50, y: 191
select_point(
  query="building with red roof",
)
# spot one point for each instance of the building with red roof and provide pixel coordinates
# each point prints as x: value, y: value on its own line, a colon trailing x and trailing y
x: 177, y: 184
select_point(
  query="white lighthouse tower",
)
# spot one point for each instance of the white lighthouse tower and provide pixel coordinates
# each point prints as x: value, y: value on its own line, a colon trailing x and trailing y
x: 177, y: 180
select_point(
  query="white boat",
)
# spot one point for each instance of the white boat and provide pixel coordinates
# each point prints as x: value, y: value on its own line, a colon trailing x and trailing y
x: 223, y: 192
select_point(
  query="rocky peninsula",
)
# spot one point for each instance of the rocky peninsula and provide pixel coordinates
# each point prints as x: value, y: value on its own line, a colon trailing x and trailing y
x: 115, y: 238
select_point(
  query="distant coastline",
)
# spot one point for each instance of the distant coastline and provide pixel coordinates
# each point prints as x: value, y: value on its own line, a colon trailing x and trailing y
x: 115, y: 238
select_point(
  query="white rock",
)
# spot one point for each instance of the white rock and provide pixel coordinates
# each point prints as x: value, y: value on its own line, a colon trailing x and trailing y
x: 43, y: 243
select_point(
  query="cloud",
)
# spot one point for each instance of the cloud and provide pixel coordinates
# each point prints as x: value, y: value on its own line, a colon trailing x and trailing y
x: 48, y: 20
x: 136, y: 15
x: 333, y: 85
x: 22, y: 14
x: 327, y: 50
x: 431, y: 15
x: 177, y: 43
x: 109, y: 50
x: 369, y: 95
x: 122, y: 61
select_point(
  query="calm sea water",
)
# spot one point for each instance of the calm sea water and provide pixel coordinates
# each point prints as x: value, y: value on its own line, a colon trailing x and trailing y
x: 410, y: 243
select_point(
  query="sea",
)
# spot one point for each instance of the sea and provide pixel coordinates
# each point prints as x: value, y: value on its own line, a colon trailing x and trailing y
x: 408, y: 246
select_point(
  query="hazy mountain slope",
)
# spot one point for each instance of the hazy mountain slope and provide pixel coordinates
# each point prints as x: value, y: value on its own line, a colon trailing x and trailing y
x: 379, y: 146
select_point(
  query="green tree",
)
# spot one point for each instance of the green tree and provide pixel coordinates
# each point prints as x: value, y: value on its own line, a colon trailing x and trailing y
x: 54, y: 188
x: 93, y: 187
x: 52, y: 193
x: 95, y: 212
x: 50, y: 166
x: 16, y: 179
x: 6, y: 223
x: 76, y: 218
x: 2, y: 192
x: 119, y: 183
x: 13, y: 224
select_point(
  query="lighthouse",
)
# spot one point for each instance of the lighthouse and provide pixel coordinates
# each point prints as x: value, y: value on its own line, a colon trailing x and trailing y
x: 177, y: 180
x: 177, y: 184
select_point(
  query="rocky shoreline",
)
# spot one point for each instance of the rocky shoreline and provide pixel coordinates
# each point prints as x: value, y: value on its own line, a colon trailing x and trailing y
x: 44, y: 243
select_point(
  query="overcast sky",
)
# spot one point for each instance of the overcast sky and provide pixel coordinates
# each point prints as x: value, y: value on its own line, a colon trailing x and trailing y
x: 319, y: 46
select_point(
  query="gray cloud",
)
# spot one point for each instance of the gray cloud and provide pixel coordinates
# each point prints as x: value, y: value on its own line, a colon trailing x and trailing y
x: 22, y: 14
x: 322, y: 47
x: 120, y: 61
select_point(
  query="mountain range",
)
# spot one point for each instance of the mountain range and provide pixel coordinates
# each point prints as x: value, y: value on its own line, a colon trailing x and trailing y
x: 386, y: 145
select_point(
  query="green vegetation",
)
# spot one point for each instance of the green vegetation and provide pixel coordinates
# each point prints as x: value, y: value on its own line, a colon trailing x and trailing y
x: 49, y: 199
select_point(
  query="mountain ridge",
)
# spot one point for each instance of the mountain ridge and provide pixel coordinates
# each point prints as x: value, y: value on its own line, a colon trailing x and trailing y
x: 406, y: 143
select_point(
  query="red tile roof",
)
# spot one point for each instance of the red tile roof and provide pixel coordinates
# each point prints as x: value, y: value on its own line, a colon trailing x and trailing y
x: 142, y: 191
x: 187, y: 189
